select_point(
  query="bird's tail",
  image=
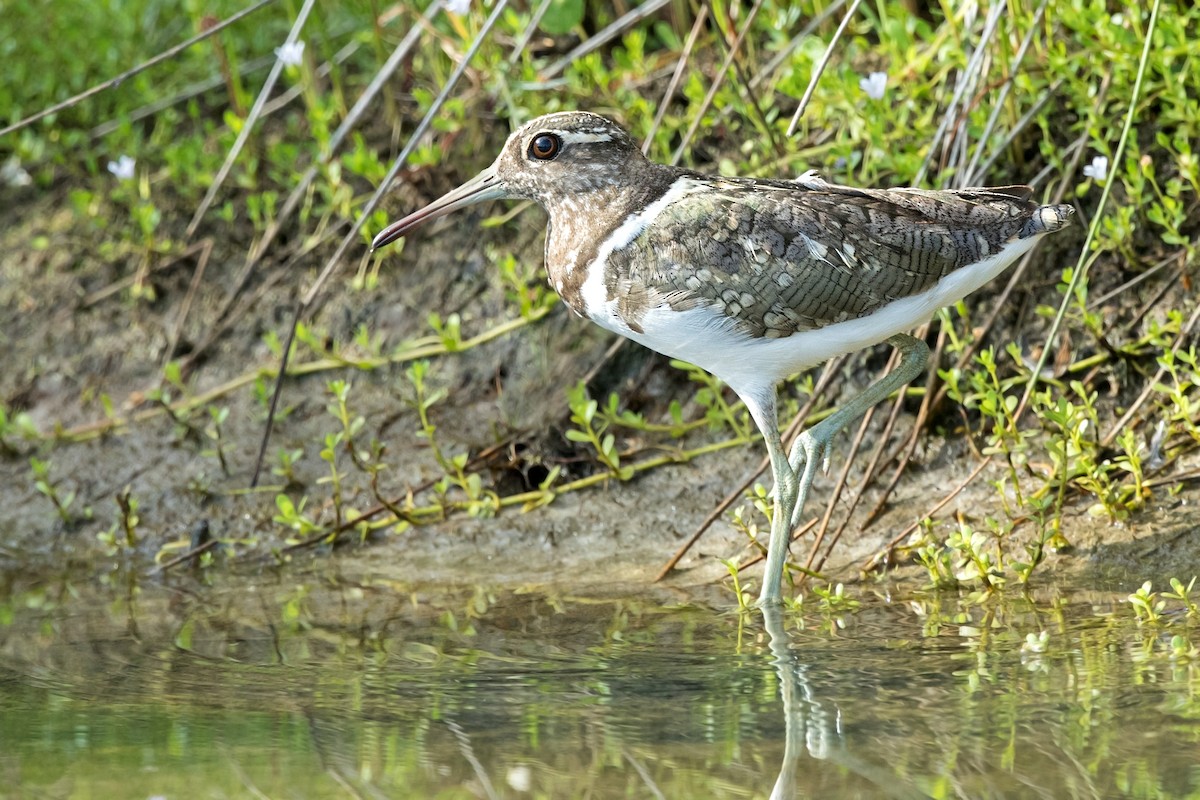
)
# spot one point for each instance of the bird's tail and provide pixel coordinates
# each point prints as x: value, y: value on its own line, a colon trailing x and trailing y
x: 1047, y: 219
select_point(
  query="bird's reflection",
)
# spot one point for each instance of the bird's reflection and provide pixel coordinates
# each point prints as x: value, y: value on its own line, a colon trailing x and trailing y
x: 813, y: 726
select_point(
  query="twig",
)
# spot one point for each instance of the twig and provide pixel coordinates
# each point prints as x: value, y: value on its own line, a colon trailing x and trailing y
x: 185, y: 94
x: 190, y: 554
x: 1129, y: 284
x: 112, y: 83
x: 527, y: 34
x: 820, y: 68
x: 415, y: 514
x: 251, y: 119
x: 843, y: 476
x: 966, y: 79
x: 120, y: 285
x: 718, y: 79
x: 610, y: 32
x: 676, y: 78
x: 254, y: 257
x: 230, y: 316
x: 905, y: 453
x: 1184, y: 332
x: 1081, y: 264
x: 910, y: 445
x: 904, y: 534
x: 1152, y: 303
x: 783, y: 55
x: 322, y: 71
x: 1016, y: 130
x: 427, y: 347
x: 367, y: 211
x: 971, y: 174
x: 206, y: 246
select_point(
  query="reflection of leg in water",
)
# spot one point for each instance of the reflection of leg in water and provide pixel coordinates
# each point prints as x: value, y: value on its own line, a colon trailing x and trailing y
x: 468, y: 752
x: 808, y: 722
x: 803, y: 718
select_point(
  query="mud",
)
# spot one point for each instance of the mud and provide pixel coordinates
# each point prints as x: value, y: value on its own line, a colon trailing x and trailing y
x: 65, y: 349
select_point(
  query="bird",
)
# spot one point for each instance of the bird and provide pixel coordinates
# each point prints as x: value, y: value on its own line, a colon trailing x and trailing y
x: 751, y: 279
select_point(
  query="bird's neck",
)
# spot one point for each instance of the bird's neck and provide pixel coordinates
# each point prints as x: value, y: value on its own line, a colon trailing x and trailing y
x: 581, y: 222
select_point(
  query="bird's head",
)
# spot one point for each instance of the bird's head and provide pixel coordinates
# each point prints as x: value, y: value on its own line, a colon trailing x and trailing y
x: 555, y: 156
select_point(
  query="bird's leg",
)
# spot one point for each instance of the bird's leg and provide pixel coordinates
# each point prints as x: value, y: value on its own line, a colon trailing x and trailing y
x: 794, y: 474
x: 812, y: 446
x: 781, y: 517
x: 762, y: 408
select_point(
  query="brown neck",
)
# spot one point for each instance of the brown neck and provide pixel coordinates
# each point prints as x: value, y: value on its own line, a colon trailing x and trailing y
x: 581, y: 222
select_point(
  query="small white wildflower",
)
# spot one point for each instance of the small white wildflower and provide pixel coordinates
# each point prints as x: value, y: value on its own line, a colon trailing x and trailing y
x: 290, y: 54
x: 1118, y: 19
x: 1098, y: 169
x: 122, y: 168
x: 519, y: 778
x: 874, y: 85
x: 1155, y: 459
x: 13, y: 174
x: 458, y: 7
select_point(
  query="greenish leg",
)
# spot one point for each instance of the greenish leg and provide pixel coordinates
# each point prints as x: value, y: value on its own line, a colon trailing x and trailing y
x: 794, y: 474
x: 763, y: 411
x: 812, y: 447
x: 781, y: 528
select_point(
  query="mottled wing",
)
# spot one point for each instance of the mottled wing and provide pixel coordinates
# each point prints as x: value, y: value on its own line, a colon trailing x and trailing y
x: 781, y: 257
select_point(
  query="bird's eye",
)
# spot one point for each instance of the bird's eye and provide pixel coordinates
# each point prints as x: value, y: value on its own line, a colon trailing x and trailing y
x: 545, y: 146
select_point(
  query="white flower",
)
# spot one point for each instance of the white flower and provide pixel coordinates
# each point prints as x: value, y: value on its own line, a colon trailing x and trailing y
x: 1155, y: 459
x: 122, y: 168
x: 459, y: 7
x: 874, y: 85
x: 519, y: 778
x: 1098, y: 169
x: 13, y: 174
x: 290, y: 54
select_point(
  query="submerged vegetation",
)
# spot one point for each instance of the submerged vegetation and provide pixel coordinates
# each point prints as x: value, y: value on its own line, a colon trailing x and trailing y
x: 336, y: 686
x: 177, y: 216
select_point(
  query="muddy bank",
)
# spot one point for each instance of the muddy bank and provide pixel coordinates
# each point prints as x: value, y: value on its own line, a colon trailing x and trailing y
x: 80, y: 349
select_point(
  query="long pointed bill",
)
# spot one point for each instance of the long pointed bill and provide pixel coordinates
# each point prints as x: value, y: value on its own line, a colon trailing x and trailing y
x: 484, y: 186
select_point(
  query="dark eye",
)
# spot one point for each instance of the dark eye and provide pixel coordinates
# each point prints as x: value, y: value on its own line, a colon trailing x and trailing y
x: 545, y: 146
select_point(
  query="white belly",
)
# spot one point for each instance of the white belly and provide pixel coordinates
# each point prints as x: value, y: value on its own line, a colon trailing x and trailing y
x: 710, y: 340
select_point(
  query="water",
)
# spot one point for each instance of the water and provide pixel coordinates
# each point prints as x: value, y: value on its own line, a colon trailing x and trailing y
x: 307, y: 686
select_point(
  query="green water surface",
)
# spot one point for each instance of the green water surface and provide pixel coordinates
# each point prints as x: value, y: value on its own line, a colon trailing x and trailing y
x: 295, y: 686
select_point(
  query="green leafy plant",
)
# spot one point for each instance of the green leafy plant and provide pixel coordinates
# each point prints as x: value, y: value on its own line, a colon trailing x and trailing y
x: 1147, y: 608
x: 122, y: 537
x: 593, y: 430
x: 480, y: 500
x: 48, y: 487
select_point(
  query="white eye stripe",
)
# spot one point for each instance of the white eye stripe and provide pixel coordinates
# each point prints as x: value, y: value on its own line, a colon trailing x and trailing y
x: 581, y: 137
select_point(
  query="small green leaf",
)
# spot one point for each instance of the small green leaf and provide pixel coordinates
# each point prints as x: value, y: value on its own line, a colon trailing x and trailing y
x: 562, y: 16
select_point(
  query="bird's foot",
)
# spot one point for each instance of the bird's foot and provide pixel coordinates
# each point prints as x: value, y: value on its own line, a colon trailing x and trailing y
x: 811, y: 447
x: 810, y: 451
